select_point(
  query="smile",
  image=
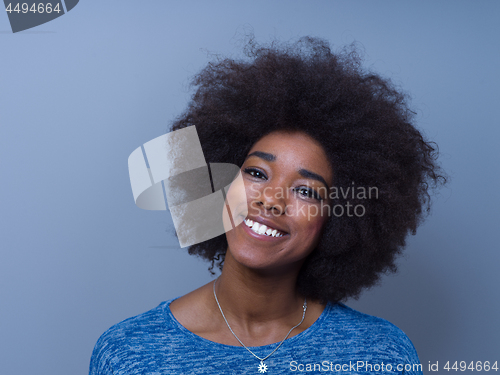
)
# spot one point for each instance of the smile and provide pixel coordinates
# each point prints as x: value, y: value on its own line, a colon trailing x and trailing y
x: 263, y: 229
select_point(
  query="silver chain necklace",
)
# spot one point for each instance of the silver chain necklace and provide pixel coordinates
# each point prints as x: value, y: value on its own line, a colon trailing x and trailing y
x: 262, y: 366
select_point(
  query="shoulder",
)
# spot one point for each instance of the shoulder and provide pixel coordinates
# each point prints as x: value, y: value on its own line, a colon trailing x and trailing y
x: 129, y: 337
x: 367, y: 333
x: 356, y: 321
x: 140, y: 326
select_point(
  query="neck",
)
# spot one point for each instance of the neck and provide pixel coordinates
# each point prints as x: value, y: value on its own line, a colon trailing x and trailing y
x: 250, y: 297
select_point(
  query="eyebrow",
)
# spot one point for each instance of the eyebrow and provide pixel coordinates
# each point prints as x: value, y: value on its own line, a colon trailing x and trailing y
x: 303, y: 172
x: 308, y: 174
x: 262, y: 155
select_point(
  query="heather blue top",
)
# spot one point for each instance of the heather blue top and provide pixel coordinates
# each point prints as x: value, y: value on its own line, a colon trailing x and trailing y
x: 342, y: 340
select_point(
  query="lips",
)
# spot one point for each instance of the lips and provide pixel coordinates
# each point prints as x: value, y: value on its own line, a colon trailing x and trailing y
x: 264, y: 228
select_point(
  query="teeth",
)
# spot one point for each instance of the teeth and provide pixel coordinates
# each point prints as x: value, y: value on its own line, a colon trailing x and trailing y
x: 262, y: 229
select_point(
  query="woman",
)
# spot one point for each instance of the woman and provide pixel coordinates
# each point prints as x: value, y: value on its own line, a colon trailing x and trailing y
x: 335, y: 176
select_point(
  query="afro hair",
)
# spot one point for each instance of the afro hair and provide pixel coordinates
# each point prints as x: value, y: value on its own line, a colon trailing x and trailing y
x: 366, y: 128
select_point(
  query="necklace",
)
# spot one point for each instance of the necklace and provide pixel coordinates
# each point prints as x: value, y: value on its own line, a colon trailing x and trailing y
x: 262, y: 366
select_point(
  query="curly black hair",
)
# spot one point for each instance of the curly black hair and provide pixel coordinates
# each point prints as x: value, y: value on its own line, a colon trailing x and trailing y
x: 364, y: 124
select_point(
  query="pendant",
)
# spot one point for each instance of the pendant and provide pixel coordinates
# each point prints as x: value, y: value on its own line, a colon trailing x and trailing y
x: 262, y: 367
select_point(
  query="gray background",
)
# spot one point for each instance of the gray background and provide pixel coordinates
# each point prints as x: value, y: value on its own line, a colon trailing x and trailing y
x: 79, y: 94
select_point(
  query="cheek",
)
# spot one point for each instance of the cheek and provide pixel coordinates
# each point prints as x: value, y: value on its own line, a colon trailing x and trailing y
x: 236, y: 203
x: 314, y: 228
x: 311, y: 218
x: 313, y: 233
x: 305, y: 212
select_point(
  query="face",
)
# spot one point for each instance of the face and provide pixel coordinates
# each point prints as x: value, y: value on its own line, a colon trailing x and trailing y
x: 286, y: 177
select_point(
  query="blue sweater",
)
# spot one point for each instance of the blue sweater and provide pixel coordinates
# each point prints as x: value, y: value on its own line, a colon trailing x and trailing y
x: 342, y: 340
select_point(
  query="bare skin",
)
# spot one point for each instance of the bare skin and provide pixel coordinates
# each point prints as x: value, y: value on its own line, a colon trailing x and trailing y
x: 257, y: 286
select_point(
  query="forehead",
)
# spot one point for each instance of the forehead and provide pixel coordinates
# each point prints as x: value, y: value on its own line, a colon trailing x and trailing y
x: 295, y: 148
x: 282, y: 142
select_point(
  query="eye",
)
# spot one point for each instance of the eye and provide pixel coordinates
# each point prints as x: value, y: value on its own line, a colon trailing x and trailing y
x: 308, y: 193
x: 255, y: 173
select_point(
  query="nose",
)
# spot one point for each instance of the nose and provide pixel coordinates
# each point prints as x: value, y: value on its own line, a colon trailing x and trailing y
x: 272, y: 199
